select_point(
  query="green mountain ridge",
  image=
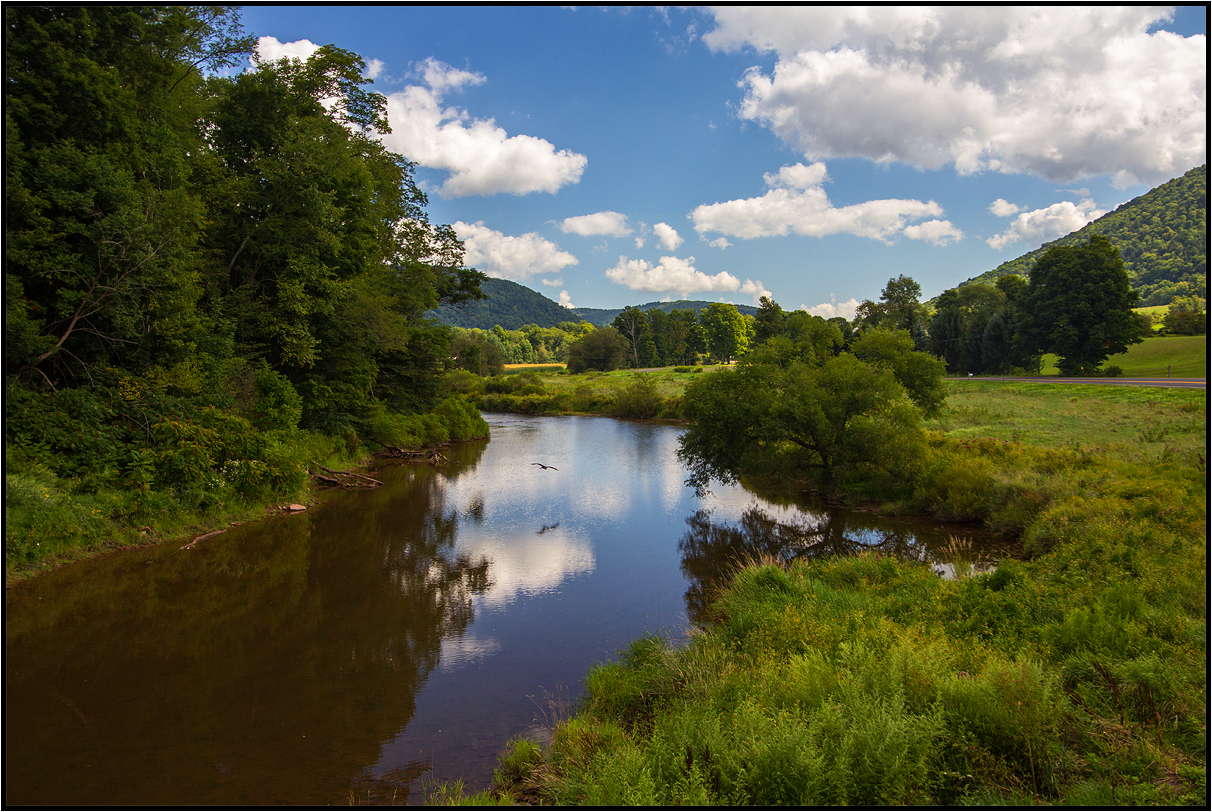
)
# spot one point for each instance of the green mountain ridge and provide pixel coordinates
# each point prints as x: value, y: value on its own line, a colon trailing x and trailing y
x: 513, y: 306
x: 1161, y: 235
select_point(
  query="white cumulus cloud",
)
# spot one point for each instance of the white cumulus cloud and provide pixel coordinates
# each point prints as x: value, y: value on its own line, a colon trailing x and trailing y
x: 481, y: 157
x: 608, y: 223
x: 1056, y: 91
x: 566, y: 300
x: 938, y: 232
x: 831, y: 309
x: 755, y: 289
x: 798, y: 205
x: 552, y: 283
x: 1004, y: 208
x: 270, y: 50
x: 670, y: 274
x: 508, y: 257
x: 720, y: 243
x: 668, y: 236
x: 1039, y: 226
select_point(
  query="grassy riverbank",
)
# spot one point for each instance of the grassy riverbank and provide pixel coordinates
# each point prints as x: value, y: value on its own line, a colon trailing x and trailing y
x: 50, y: 519
x: 547, y: 390
x: 1076, y: 677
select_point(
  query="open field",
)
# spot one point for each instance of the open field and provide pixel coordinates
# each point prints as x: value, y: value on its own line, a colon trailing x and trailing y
x: 1134, y: 424
x: 1186, y: 356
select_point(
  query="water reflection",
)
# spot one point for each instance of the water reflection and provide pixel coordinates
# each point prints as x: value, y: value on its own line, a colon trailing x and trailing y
x: 386, y: 636
x: 713, y: 550
x: 267, y: 668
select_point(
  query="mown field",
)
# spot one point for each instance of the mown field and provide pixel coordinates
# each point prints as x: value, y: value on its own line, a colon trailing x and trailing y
x: 1073, y: 675
x: 1180, y: 356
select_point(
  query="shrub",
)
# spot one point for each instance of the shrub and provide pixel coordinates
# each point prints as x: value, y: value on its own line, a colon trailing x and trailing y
x: 639, y: 399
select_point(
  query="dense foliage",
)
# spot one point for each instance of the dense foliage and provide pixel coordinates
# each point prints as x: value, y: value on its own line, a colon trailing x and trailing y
x: 1078, y: 305
x: 1162, y: 236
x: 196, y: 267
x: 799, y: 402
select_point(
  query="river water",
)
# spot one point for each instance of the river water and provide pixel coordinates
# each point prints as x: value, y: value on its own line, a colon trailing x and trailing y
x: 384, y: 638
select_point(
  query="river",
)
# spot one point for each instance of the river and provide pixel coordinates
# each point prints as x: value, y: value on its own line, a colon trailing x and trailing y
x: 384, y: 638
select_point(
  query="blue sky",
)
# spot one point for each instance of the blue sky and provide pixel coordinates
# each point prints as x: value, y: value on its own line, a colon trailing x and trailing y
x: 616, y: 156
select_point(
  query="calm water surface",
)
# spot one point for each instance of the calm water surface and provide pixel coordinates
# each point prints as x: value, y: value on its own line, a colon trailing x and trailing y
x: 384, y: 638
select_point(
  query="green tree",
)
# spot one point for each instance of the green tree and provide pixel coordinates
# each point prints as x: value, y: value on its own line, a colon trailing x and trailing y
x: 900, y: 303
x: 836, y: 417
x: 919, y: 373
x: 100, y: 214
x: 769, y: 320
x: 1078, y: 305
x: 632, y: 325
x: 602, y: 349
x: 725, y: 330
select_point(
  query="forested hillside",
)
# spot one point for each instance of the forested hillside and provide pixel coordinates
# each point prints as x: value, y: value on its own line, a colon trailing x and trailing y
x: 513, y: 306
x: 1161, y: 235
x: 603, y: 317
x: 509, y: 305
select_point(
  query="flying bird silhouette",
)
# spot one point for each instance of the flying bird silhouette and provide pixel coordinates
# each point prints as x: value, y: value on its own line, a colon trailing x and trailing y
x: 545, y: 467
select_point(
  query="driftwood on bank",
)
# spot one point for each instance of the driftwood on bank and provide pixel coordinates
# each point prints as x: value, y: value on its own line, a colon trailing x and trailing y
x: 202, y: 538
x: 431, y: 455
x: 343, y: 479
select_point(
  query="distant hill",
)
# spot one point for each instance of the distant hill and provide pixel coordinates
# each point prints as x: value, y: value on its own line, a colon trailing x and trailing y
x: 513, y: 306
x: 602, y: 317
x: 510, y: 305
x: 1162, y: 236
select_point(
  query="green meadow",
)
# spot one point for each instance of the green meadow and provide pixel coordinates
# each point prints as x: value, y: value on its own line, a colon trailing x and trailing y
x: 1180, y: 356
x: 1074, y: 673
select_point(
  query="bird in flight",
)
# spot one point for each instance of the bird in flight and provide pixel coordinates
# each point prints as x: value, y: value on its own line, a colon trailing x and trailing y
x: 545, y: 467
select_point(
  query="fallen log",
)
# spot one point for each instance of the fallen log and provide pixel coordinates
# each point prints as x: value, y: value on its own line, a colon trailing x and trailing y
x: 344, y: 479
x: 202, y: 538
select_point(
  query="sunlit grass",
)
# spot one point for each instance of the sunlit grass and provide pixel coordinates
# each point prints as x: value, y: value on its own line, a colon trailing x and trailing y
x: 1131, y: 423
x: 1179, y: 356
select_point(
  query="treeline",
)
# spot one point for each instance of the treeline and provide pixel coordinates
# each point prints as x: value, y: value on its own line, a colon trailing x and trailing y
x: 636, y: 339
x: 1078, y: 304
x: 1162, y: 236
x: 208, y: 279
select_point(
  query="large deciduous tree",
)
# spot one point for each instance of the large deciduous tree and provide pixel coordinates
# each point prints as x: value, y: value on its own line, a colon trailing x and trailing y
x: 1078, y: 305
x: 726, y: 331
x: 837, y: 416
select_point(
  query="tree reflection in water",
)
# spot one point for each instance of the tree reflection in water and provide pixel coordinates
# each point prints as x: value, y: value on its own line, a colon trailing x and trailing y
x: 712, y: 552
x: 263, y: 667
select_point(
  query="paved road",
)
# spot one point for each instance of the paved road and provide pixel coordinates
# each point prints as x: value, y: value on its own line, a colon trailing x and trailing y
x: 1176, y: 383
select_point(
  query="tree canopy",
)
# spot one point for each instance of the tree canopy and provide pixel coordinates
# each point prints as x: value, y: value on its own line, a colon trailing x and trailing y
x: 1078, y: 305
x: 198, y: 264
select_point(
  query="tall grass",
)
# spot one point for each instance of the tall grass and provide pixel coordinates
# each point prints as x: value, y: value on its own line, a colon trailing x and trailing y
x: 1075, y: 677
